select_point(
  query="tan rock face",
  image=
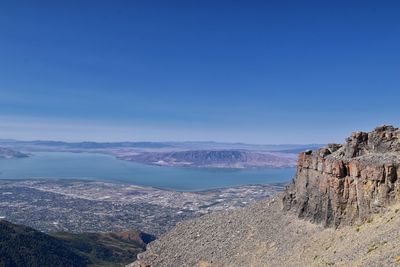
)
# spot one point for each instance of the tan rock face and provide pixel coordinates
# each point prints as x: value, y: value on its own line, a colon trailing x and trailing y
x: 344, y: 184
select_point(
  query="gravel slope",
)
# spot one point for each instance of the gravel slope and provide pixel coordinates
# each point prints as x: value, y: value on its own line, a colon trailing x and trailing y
x: 263, y: 235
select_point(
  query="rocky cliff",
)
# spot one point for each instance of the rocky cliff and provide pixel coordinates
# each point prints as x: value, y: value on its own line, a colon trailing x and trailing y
x: 343, y: 184
x: 346, y: 185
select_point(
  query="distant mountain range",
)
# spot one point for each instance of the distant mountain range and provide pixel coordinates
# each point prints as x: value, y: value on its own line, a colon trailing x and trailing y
x: 242, y: 146
x: 24, y: 246
x: 214, y: 159
x: 191, y: 145
x: 84, y: 145
x: 175, y: 154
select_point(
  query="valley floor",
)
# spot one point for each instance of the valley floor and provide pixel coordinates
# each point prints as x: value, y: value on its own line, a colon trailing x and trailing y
x: 95, y: 206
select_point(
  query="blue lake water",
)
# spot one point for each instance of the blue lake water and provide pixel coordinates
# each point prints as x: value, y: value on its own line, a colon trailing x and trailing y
x: 106, y: 167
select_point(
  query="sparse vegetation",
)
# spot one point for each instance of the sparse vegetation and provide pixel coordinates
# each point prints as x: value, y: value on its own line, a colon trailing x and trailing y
x: 24, y: 246
x: 107, y: 249
x: 397, y: 259
x: 372, y: 248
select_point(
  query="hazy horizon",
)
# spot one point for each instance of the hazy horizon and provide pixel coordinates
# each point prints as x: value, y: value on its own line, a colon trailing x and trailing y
x: 80, y: 132
x: 258, y: 73
x: 160, y: 141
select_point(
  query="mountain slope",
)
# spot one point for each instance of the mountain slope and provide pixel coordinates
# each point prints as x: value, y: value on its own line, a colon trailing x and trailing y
x: 24, y: 246
x: 106, y: 249
x: 353, y: 187
x: 263, y: 235
x: 21, y: 246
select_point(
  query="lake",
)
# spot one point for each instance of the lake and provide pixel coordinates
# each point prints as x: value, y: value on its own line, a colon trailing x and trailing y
x: 106, y: 167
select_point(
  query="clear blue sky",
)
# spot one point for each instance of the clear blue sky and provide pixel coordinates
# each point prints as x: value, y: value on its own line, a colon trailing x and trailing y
x: 246, y: 71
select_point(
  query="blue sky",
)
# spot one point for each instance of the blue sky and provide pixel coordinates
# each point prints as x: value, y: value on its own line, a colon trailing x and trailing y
x: 235, y: 71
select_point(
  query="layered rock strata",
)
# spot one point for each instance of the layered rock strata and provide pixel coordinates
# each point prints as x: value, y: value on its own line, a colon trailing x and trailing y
x: 344, y: 184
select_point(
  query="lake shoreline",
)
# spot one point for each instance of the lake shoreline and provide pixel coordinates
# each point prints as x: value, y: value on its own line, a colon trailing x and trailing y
x: 105, y: 182
x: 90, y: 166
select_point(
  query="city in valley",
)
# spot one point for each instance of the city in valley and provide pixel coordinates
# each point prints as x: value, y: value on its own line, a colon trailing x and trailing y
x: 97, y: 206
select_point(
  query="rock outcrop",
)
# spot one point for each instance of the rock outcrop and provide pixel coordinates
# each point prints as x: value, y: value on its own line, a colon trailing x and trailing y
x: 344, y: 184
x: 339, y: 185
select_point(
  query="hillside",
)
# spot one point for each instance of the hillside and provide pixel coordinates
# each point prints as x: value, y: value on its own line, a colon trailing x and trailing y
x: 22, y: 246
x: 214, y: 159
x: 341, y: 209
x: 263, y: 235
x: 106, y: 249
